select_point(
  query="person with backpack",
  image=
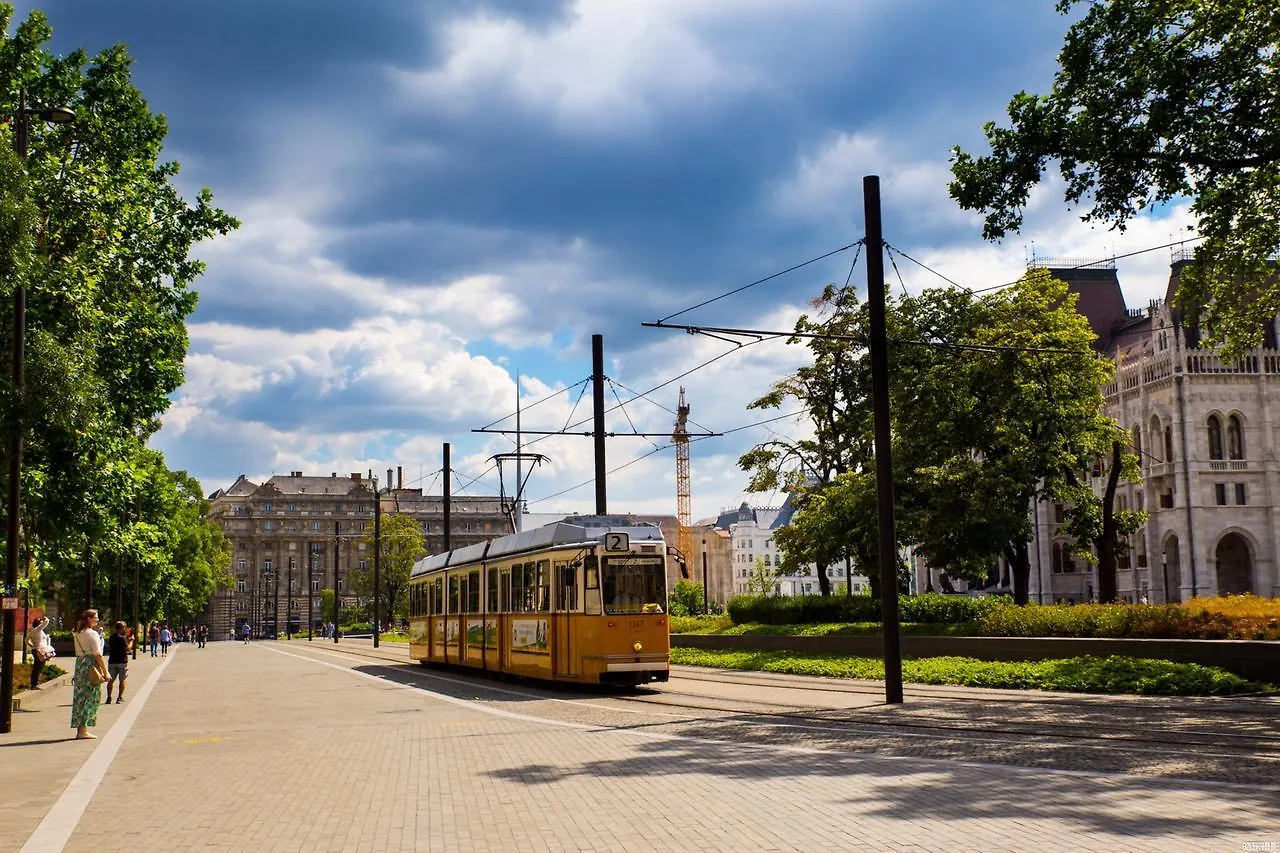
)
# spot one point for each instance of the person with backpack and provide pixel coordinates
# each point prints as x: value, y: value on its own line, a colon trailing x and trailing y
x: 117, y: 661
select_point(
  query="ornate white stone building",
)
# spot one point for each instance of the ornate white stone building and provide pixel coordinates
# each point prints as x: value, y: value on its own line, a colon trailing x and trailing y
x: 1207, y: 435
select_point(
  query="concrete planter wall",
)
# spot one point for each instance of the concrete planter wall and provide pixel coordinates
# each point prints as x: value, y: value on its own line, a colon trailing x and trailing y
x: 1255, y: 659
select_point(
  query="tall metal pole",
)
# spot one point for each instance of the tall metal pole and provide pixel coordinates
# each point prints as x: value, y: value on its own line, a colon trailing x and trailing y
x: 337, y: 543
x: 288, y: 610
x: 706, y: 594
x: 17, y: 358
x: 137, y: 626
x: 878, y: 349
x: 519, y: 468
x: 275, y: 601
x: 446, y: 496
x: 597, y: 391
x: 311, y: 595
x: 377, y: 564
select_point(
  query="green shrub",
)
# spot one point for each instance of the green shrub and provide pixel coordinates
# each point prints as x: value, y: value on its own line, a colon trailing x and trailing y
x: 698, y: 624
x: 1088, y: 674
x: 808, y: 609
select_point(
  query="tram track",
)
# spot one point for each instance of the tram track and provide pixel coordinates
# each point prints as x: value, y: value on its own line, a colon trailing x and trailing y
x: 1185, y: 745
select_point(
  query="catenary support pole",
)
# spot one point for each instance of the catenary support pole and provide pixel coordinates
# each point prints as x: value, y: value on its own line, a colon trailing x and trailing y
x: 311, y: 590
x: 17, y: 356
x: 597, y: 393
x: 706, y: 593
x: 377, y: 565
x: 337, y: 544
x: 878, y: 349
x: 445, y: 506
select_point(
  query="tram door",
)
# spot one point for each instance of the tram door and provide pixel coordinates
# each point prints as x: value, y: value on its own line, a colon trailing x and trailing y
x: 565, y: 657
x: 504, y: 621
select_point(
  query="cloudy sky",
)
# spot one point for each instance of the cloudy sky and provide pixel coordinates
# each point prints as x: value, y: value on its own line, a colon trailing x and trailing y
x: 440, y: 196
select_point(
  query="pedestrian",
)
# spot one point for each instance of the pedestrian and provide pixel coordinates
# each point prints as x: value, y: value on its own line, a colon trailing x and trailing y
x: 203, y: 635
x: 41, y: 649
x: 166, y: 639
x: 245, y: 630
x: 117, y: 661
x: 155, y: 638
x: 85, y: 696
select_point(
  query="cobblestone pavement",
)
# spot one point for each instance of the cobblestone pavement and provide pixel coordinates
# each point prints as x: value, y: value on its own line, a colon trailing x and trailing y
x: 295, y: 746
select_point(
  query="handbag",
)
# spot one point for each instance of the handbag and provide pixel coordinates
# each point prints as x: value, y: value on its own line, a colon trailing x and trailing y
x: 96, y: 676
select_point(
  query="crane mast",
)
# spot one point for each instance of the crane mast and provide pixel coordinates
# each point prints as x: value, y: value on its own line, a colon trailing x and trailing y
x: 680, y: 437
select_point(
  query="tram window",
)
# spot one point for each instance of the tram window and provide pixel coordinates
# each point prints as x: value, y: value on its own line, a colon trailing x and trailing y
x: 491, y: 596
x: 504, y: 599
x: 438, y: 608
x: 544, y: 585
x: 455, y: 585
x: 473, y: 592
x: 522, y: 580
x: 566, y: 586
x: 634, y: 585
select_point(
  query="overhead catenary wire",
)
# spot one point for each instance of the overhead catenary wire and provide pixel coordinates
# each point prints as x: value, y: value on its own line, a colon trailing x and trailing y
x: 659, y: 449
x: 758, y: 281
x: 625, y: 413
x: 550, y: 396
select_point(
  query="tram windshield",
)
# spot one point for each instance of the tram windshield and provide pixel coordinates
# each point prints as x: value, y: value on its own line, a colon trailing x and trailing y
x: 634, y: 585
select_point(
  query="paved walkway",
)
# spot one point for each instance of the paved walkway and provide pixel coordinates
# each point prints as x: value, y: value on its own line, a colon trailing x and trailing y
x: 298, y: 747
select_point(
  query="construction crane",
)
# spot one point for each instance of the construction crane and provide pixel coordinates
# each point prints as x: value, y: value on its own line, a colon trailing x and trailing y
x: 680, y: 437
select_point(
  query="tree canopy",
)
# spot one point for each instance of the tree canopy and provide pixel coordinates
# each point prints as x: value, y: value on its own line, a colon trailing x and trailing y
x: 403, y: 544
x: 95, y: 229
x: 996, y: 401
x: 1155, y: 101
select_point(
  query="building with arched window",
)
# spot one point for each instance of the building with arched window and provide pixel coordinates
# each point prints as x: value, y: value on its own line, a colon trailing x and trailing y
x: 1207, y: 435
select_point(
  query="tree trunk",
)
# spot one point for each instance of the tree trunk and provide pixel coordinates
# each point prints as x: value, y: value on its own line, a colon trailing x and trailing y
x: 824, y: 582
x: 1019, y: 560
x: 1106, y: 544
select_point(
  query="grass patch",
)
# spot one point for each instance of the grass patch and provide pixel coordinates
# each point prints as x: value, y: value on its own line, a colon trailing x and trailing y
x: 22, y: 675
x: 1089, y: 674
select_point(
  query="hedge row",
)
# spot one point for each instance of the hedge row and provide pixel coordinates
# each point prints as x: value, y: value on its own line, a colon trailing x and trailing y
x: 1244, y: 617
x: 1087, y: 674
x: 805, y: 609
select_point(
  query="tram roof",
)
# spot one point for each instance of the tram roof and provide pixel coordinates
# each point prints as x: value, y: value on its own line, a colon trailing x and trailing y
x: 583, y: 529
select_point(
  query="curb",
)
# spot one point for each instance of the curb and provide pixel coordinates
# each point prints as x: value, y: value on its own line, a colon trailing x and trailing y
x: 30, y: 695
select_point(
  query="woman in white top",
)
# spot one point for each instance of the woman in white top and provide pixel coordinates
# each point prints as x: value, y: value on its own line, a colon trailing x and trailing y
x: 38, y: 642
x: 85, y: 695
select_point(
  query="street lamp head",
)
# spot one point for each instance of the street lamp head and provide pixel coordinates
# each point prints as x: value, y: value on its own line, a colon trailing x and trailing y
x: 57, y: 115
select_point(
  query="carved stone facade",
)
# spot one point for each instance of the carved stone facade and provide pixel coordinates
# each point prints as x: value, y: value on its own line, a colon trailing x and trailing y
x: 1207, y: 435
x: 274, y: 527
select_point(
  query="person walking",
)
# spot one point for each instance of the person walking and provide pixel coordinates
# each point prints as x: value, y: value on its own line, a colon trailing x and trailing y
x: 117, y: 661
x: 166, y: 639
x: 85, y: 696
x: 38, y: 642
x: 245, y: 630
x: 155, y: 638
x: 203, y: 635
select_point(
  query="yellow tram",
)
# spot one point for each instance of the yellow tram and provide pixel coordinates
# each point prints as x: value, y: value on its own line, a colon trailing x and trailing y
x: 581, y: 600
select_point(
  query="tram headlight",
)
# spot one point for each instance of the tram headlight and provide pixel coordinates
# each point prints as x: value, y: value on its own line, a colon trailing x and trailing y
x: 638, y: 647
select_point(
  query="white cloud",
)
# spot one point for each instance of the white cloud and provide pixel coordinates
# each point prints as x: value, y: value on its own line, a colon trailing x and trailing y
x: 605, y: 68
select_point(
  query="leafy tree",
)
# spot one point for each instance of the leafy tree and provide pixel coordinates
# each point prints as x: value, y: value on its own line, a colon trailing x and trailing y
x: 1102, y: 531
x: 763, y: 579
x: 834, y: 391
x: 685, y: 599
x: 403, y: 544
x: 95, y: 229
x: 996, y: 402
x: 1157, y: 100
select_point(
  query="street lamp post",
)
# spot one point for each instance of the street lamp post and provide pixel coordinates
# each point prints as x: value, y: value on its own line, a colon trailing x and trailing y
x: 1164, y: 573
x: 56, y: 115
x: 706, y: 595
x: 377, y: 561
